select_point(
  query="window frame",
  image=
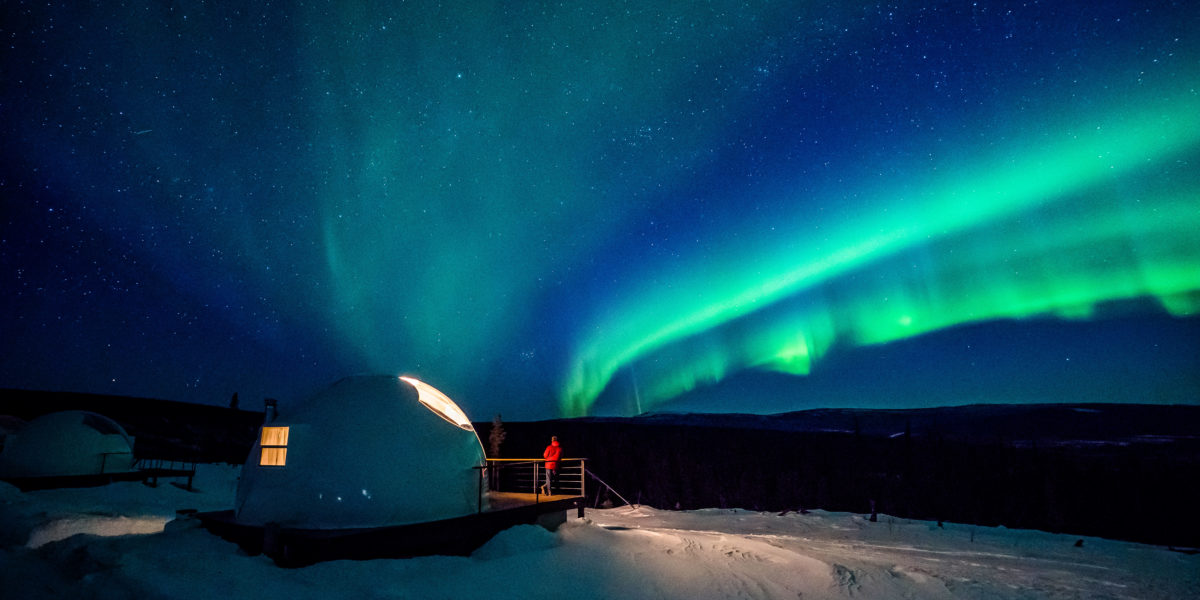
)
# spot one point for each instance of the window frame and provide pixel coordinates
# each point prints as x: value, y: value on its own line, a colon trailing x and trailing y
x: 275, y: 450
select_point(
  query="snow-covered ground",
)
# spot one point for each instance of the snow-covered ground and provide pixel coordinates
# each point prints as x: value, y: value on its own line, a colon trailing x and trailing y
x: 133, y: 547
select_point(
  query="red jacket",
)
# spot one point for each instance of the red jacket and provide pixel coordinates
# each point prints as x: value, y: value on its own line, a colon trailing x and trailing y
x: 552, y: 454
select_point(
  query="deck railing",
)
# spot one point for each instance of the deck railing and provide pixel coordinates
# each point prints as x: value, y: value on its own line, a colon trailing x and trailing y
x: 153, y: 468
x: 528, y: 475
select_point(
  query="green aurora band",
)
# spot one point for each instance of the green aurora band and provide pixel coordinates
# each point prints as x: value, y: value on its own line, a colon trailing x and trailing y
x: 471, y: 163
x: 549, y: 208
x: 1097, y: 218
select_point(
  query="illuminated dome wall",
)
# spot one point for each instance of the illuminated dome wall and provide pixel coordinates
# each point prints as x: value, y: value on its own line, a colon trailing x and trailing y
x: 67, y: 443
x: 368, y: 451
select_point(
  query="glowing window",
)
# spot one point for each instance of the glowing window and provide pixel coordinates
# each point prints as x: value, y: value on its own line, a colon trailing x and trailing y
x: 274, y: 447
x: 439, y: 403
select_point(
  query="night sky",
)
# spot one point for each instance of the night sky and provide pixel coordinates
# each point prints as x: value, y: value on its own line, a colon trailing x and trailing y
x: 604, y: 207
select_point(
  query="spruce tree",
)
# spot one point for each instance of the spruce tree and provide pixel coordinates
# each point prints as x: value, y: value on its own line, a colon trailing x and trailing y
x: 496, y: 437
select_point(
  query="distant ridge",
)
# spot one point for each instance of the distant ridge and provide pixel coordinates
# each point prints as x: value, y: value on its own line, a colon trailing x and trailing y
x: 1046, y: 423
x: 27, y: 404
x: 161, y: 428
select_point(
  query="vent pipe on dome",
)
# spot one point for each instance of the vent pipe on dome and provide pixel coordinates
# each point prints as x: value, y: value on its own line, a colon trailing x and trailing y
x: 270, y: 413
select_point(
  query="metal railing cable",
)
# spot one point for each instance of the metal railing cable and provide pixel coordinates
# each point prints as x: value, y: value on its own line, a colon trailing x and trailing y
x: 593, y: 475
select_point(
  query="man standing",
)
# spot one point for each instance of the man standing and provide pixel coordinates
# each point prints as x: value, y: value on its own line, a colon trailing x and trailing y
x: 552, y: 453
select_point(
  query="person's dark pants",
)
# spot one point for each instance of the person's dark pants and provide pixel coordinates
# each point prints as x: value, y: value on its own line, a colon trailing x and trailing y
x: 551, y: 480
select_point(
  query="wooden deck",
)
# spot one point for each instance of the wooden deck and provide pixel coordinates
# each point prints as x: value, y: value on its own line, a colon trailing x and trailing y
x: 507, y: 500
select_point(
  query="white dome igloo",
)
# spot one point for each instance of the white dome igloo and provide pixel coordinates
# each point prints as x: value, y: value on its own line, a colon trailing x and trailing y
x: 72, y: 442
x: 365, y: 452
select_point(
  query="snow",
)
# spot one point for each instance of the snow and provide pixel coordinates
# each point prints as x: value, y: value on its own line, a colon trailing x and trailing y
x: 123, y: 541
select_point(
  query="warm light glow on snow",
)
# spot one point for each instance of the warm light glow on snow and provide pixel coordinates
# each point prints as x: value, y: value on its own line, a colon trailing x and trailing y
x: 439, y: 403
x: 101, y: 525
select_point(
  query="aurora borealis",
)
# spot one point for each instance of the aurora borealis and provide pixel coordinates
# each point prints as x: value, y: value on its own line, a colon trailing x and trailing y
x: 550, y: 210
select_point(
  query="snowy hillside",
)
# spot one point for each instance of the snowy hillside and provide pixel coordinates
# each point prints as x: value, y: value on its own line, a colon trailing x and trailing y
x: 617, y: 553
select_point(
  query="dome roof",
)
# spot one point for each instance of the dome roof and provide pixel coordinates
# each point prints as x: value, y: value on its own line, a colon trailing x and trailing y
x: 72, y: 442
x: 368, y: 451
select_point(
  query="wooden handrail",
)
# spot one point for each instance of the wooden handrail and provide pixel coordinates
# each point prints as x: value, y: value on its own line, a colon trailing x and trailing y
x: 529, y: 459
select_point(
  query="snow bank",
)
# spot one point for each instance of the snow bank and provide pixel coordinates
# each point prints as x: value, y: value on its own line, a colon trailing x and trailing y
x: 38, y: 517
x: 618, y: 553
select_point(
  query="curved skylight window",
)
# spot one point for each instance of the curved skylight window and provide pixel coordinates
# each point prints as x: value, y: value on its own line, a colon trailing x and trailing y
x: 440, y: 403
